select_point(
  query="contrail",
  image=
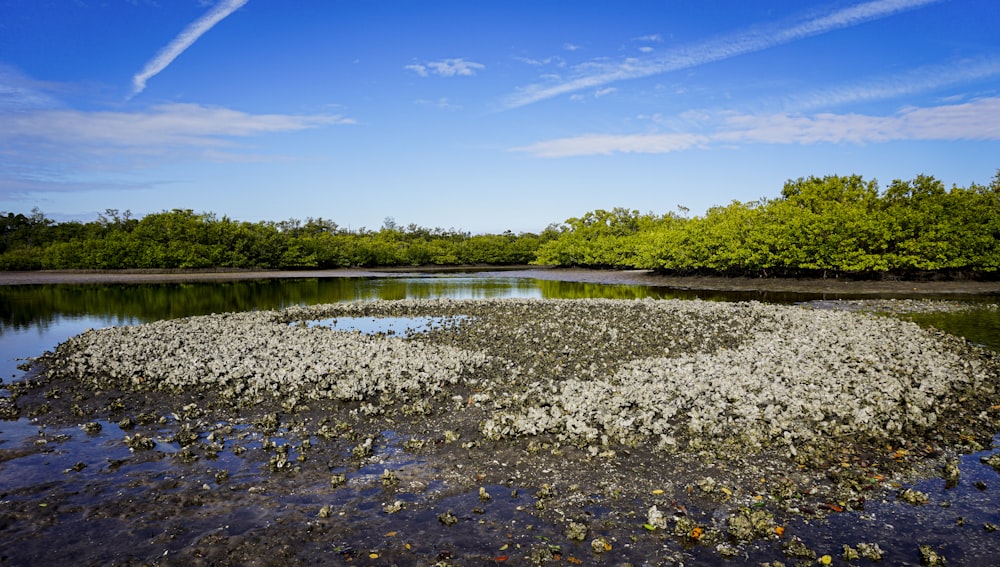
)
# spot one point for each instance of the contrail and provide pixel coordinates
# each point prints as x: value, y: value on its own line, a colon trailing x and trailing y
x: 718, y: 49
x: 183, y: 41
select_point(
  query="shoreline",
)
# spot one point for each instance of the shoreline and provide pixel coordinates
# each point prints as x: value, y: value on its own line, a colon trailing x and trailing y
x: 622, y: 277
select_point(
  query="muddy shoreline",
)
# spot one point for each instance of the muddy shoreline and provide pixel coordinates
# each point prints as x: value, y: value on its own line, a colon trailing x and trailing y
x: 633, y: 277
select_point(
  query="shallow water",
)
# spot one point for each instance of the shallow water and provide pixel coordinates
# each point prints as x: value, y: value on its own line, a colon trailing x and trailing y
x: 980, y: 326
x: 402, y: 326
x: 37, y: 318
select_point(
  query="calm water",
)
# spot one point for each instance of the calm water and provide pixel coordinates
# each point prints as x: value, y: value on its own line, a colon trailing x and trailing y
x: 36, y: 318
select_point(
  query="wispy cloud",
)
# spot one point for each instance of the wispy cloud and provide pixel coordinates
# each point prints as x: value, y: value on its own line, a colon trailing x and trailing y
x: 163, y: 125
x: 52, y: 148
x: 747, y: 41
x: 555, y: 60
x: 20, y: 92
x: 183, y: 41
x: 447, y: 68
x: 607, y: 144
x: 442, y: 103
x: 974, y: 120
x: 922, y: 79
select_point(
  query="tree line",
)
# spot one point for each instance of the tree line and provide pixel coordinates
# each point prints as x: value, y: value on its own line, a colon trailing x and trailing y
x: 818, y: 225
x: 183, y: 239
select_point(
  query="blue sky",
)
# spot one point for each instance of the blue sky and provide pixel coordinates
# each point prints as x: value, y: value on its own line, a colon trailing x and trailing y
x: 483, y: 116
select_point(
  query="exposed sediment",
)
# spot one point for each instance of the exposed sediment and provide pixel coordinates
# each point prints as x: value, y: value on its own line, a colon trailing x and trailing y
x: 674, y: 374
x: 711, y: 422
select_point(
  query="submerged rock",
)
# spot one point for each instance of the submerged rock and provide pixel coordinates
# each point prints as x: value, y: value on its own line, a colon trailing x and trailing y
x: 992, y: 460
x: 930, y: 557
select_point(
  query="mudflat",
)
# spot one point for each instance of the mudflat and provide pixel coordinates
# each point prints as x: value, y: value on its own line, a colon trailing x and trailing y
x: 521, y: 430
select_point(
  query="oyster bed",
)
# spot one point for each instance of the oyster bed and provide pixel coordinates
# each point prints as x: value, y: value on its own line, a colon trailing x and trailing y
x: 676, y: 374
x: 903, y: 306
x: 650, y: 426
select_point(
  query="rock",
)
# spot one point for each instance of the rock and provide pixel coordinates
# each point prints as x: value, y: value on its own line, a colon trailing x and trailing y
x: 795, y: 548
x: 576, y: 531
x: 656, y: 519
x: 747, y: 524
x: 914, y: 497
x: 448, y: 518
x: 930, y: 557
x: 870, y: 551
x: 950, y: 473
x: 992, y: 460
x: 600, y: 545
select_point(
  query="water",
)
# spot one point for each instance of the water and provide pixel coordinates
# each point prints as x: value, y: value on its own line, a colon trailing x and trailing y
x: 403, y: 326
x: 980, y: 326
x: 36, y: 318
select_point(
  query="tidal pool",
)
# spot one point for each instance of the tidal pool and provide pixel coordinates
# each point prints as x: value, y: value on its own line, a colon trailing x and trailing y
x: 402, y: 326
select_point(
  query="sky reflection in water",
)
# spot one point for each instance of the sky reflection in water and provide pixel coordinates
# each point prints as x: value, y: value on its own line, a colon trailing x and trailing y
x: 37, y: 318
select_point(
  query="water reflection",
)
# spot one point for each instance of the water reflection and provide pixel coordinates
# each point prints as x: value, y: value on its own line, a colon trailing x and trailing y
x: 35, y: 318
x: 981, y: 326
x: 34, y: 306
x: 403, y: 326
x: 42, y: 306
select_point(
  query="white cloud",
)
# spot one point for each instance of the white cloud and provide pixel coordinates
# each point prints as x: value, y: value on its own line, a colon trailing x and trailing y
x: 596, y: 74
x: 443, y: 103
x: 607, y: 144
x: 918, y: 80
x: 163, y: 125
x: 975, y: 120
x: 418, y: 69
x: 605, y: 91
x: 183, y: 41
x: 447, y: 68
x: 819, y: 128
x: 49, y: 149
x: 555, y: 60
x: 20, y: 92
x: 571, y: 46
